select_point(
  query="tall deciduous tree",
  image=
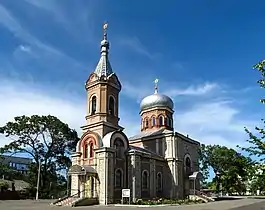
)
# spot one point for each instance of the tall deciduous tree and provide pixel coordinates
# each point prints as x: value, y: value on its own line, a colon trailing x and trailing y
x: 230, y: 167
x: 46, y: 139
x: 256, y: 141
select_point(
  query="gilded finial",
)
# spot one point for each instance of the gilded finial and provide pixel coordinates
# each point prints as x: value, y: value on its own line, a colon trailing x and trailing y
x: 156, y: 85
x: 105, y: 27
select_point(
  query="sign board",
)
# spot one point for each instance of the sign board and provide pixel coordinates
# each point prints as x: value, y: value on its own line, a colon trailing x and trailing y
x: 126, y: 193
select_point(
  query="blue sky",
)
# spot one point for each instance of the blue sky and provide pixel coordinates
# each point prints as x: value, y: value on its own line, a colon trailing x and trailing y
x: 202, y: 52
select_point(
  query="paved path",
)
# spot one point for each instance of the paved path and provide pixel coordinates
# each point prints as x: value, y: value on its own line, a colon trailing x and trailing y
x: 242, y: 204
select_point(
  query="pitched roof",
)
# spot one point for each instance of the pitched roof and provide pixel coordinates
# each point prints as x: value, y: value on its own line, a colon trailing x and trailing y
x: 144, y: 150
x: 147, y: 134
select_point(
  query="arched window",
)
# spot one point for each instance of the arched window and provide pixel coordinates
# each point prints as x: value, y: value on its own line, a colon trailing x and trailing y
x: 188, y: 162
x: 94, y: 105
x: 153, y: 121
x: 111, y: 105
x: 159, y: 181
x: 86, y: 151
x: 118, y: 178
x: 161, y: 121
x: 145, y: 180
x: 91, y: 150
x: 146, y: 123
x: 119, y: 146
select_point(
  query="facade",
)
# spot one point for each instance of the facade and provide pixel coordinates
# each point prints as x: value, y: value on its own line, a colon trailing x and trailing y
x: 157, y: 162
x: 21, y: 164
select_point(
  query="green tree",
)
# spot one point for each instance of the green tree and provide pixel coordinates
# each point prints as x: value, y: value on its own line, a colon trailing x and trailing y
x: 256, y: 141
x: 8, y: 172
x: 257, y: 178
x: 230, y: 167
x: 204, y: 167
x: 47, y: 140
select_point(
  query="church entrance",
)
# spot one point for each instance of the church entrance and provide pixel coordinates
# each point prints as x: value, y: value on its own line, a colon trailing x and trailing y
x: 90, y: 187
x: 87, y: 182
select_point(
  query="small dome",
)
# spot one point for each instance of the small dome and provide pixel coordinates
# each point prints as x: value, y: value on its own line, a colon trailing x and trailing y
x: 156, y: 100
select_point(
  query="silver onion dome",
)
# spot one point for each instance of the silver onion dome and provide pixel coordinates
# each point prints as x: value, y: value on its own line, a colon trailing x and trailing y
x: 156, y: 100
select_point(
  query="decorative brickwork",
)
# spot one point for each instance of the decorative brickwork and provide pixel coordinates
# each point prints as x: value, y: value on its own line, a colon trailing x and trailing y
x: 150, y: 164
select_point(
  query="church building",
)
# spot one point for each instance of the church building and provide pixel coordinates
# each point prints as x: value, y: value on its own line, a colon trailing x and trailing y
x: 155, y: 163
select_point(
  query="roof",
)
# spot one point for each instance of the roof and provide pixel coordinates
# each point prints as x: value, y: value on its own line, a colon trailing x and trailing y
x: 143, y: 150
x: 104, y: 67
x: 147, y: 134
x: 82, y: 169
x: 195, y: 175
x: 6, y: 159
x: 187, y: 138
x: 156, y: 100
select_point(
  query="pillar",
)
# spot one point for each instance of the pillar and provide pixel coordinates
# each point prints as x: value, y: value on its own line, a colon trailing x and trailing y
x: 105, y: 169
x: 82, y: 186
x: 134, y: 162
x: 152, y: 179
x: 74, y: 184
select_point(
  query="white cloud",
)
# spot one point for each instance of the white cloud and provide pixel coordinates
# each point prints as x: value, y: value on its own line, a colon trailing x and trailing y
x: 210, y: 123
x: 18, y: 98
x: 25, y: 48
x: 194, y: 90
x: 140, y: 91
x: 44, y: 50
x: 79, y: 23
x: 135, y: 44
x: 214, y: 123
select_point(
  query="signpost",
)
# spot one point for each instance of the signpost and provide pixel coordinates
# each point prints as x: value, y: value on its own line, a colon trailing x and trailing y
x: 126, y: 193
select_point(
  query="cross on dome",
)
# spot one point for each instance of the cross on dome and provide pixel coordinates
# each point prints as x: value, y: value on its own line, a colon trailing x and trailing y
x: 104, y: 67
x: 156, y: 85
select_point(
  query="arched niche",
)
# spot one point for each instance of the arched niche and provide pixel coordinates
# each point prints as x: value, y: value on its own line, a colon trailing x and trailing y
x: 187, y: 160
x: 160, y: 120
x: 93, y: 104
x: 153, y: 123
x: 187, y: 163
x: 86, y: 139
x: 109, y: 139
x: 111, y: 105
x: 146, y: 122
x: 145, y: 180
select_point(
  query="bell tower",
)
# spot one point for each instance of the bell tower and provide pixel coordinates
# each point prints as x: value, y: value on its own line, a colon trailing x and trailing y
x: 103, y: 88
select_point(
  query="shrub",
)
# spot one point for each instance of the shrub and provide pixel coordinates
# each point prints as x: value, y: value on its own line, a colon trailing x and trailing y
x: 4, y: 185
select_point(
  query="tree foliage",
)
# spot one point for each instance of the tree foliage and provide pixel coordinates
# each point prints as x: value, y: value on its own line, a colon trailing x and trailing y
x: 7, y: 172
x: 257, y: 178
x: 261, y: 68
x: 46, y: 139
x: 231, y: 168
x: 256, y: 141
